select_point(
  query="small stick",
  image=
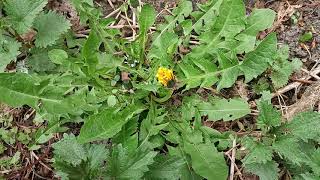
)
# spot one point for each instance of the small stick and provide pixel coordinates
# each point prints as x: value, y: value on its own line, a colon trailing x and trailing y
x: 233, y: 157
x: 125, y: 25
x: 303, y: 81
x: 119, y: 13
x: 128, y: 20
x: 110, y: 3
x: 112, y: 13
x: 37, y: 158
x: 307, y: 49
x: 134, y: 17
x: 238, y: 170
x: 311, y: 73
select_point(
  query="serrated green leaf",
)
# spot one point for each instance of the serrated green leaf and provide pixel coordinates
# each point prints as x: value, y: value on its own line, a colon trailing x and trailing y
x: 76, y: 161
x: 9, y: 50
x: 207, y: 161
x: 96, y: 155
x: 19, y: 89
x: 206, y: 19
x: 224, y: 109
x: 282, y: 68
x: 230, y: 70
x: 293, y: 154
x: 198, y: 72
x: 147, y: 18
x: 124, y: 165
x: 107, y: 123
x: 230, y: 21
x: 304, y: 126
x: 22, y: 13
x: 50, y: 26
x: 268, y: 115
x: 259, y: 153
x: 308, y: 176
x: 69, y: 150
x: 39, y: 61
x: 259, y: 20
x: 204, y: 73
x: 281, y: 77
x: 152, y: 125
x: 265, y: 171
x: 165, y: 167
x: 257, y: 61
x: 315, y: 162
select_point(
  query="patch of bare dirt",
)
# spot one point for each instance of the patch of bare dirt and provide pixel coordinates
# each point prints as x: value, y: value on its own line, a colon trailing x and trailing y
x: 308, y: 20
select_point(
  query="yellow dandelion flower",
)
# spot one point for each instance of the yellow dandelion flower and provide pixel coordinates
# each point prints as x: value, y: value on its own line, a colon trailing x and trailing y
x: 164, y: 76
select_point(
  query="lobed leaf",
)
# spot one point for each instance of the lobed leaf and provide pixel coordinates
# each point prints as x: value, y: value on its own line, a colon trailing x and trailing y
x: 304, y: 126
x: 21, y: 89
x: 9, y: 50
x: 204, y: 73
x: 107, y: 123
x: 204, y: 19
x: 259, y: 20
x: 207, y: 161
x: 165, y: 167
x: 224, y: 109
x: 69, y: 150
x: 22, y: 13
x: 125, y: 165
x: 293, y: 154
x: 50, y: 26
x: 229, y: 22
x: 257, y: 61
x: 268, y: 115
x: 265, y: 171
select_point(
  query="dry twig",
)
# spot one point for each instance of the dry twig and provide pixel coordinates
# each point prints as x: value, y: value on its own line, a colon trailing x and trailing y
x: 310, y: 98
x: 295, y: 85
x: 233, y: 157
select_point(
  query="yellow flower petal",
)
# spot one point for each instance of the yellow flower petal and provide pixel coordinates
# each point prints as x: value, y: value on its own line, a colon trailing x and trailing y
x: 164, y: 75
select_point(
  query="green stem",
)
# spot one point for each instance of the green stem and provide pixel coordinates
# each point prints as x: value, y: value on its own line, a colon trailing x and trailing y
x: 163, y: 99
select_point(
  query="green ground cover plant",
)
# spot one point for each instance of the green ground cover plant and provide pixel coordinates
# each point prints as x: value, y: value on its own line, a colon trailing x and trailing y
x: 121, y: 93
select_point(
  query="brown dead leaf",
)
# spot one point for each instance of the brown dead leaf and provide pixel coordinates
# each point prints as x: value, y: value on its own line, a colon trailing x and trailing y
x: 29, y: 36
x: 285, y: 11
x: 242, y: 89
x: 183, y: 50
x: 125, y: 76
x: 259, y: 4
x: 313, y: 44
